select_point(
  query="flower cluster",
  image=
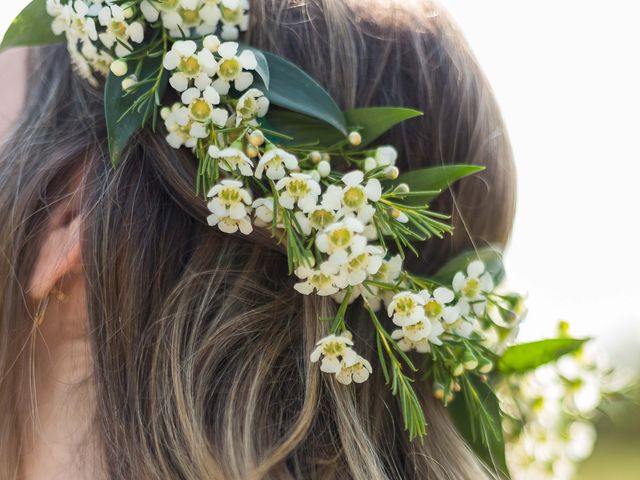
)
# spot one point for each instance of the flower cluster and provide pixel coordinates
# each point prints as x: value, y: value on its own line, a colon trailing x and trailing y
x: 340, y: 359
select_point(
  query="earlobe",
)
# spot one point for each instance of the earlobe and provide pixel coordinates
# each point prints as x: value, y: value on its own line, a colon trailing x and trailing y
x: 59, y: 255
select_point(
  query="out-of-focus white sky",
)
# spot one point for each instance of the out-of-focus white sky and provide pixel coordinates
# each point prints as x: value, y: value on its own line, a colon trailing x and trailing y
x: 567, y: 76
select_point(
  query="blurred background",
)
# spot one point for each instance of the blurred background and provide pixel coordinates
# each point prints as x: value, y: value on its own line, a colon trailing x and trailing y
x: 567, y: 75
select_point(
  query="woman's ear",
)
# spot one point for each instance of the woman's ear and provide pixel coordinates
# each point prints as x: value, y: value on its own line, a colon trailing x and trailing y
x: 59, y: 256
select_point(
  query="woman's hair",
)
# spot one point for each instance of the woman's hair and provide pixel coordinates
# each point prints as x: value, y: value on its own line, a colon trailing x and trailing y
x: 200, y: 345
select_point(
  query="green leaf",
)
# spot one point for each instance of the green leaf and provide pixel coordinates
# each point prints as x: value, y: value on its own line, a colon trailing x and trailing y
x: 488, y: 445
x: 122, y: 121
x: 529, y: 356
x: 302, y: 128
x: 434, y: 180
x: 492, y: 259
x: 263, y: 66
x: 32, y: 27
x: 376, y: 121
x: 293, y: 89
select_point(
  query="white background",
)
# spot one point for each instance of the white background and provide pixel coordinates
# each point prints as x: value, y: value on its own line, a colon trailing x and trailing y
x: 567, y: 75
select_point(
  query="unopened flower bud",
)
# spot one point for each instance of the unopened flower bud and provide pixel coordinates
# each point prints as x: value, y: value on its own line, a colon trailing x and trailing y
x: 456, y: 387
x: 324, y: 168
x: 355, y: 138
x: 165, y: 112
x: 256, y: 138
x: 211, y: 43
x: 326, y: 157
x: 438, y: 391
x: 129, y: 82
x: 369, y: 164
x: 119, y: 68
x: 315, y: 157
x: 128, y: 13
x: 252, y: 151
x: 457, y: 370
x: 485, y: 365
x: 402, y: 188
x: 450, y: 398
x: 315, y: 175
x: 483, y: 378
x: 395, y: 213
x: 469, y: 360
x: 392, y: 173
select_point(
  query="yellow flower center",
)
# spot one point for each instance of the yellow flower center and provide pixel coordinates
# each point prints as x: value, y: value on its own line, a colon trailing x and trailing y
x: 119, y: 29
x: 354, y: 197
x: 200, y: 110
x: 360, y: 262
x: 190, y: 17
x: 230, y: 196
x: 433, y: 309
x: 230, y: 68
x: 405, y: 306
x: 231, y: 15
x: 333, y: 348
x: 190, y: 66
x: 416, y: 327
x: 297, y: 187
x: 167, y: 5
x: 248, y: 110
x: 340, y: 237
x: 321, y: 219
x: 320, y: 280
x: 471, y: 288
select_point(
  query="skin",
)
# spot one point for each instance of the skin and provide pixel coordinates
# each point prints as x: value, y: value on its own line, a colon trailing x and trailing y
x: 57, y: 439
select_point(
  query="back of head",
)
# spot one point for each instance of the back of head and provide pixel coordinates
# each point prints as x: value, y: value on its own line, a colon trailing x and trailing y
x: 200, y: 344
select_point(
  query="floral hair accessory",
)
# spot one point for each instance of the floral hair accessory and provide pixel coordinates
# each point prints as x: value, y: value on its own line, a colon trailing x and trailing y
x: 274, y: 151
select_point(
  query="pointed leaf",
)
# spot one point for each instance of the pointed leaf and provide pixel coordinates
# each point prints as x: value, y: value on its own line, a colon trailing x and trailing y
x: 490, y: 447
x: 295, y: 90
x: 302, y: 129
x: 492, y: 259
x: 434, y: 180
x: 529, y: 356
x: 376, y: 121
x: 32, y: 27
x: 121, y: 126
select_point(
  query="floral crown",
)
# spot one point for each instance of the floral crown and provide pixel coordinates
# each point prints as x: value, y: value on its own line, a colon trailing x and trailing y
x: 274, y: 151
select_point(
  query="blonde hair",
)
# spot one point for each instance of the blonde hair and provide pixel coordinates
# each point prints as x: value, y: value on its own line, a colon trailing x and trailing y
x: 200, y: 345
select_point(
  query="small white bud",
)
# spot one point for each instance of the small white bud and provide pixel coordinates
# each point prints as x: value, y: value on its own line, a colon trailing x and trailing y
x: 256, y: 138
x: 165, y: 112
x: 324, y: 168
x: 402, y: 188
x: 315, y: 156
x: 392, y: 173
x: 119, y: 68
x: 315, y: 175
x: 251, y: 151
x: 129, y: 82
x: 355, y: 138
x: 369, y: 164
x: 211, y: 43
x: 326, y: 157
x: 128, y: 13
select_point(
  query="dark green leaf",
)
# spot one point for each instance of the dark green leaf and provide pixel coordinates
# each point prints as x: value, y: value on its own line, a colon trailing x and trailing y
x: 122, y: 125
x: 487, y: 445
x: 302, y: 129
x: 32, y: 27
x: 434, y: 179
x: 491, y: 258
x: 293, y: 89
x: 529, y: 356
x: 376, y: 121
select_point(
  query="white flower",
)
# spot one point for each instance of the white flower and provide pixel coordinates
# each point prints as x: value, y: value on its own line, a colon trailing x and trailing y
x: 230, y: 207
x: 405, y: 344
x: 341, y: 239
x: 389, y: 273
x: 234, y: 18
x: 406, y: 308
x: 358, y: 266
x: 118, y: 31
x: 251, y: 104
x: 355, y: 197
x: 353, y: 368
x: 435, y: 305
x: 323, y: 280
x: 275, y: 162
x: 317, y: 218
x: 300, y: 189
x: 180, y: 127
x: 180, y: 16
x: 473, y: 286
x: 190, y: 66
x: 233, y: 159
x: 73, y: 20
x: 231, y: 68
x: 263, y: 208
x: 332, y: 348
x: 202, y: 106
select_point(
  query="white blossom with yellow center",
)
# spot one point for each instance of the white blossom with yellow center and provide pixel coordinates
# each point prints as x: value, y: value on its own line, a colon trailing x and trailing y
x: 435, y: 304
x: 202, y: 106
x: 356, y: 267
x: 298, y: 189
x: 234, y: 18
x: 406, y: 308
x: 230, y: 206
x: 179, y: 125
x: 355, y: 196
x: 251, y: 105
x: 406, y: 345
x: 190, y: 65
x: 341, y: 239
x: 73, y: 20
x: 275, y: 163
x: 353, y: 368
x: 232, y: 160
x: 180, y: 16
x: 332, y: 349
x: 322, y: 280
x: 232, y: 68
x: 473, y: 286
x: 119, y: 31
